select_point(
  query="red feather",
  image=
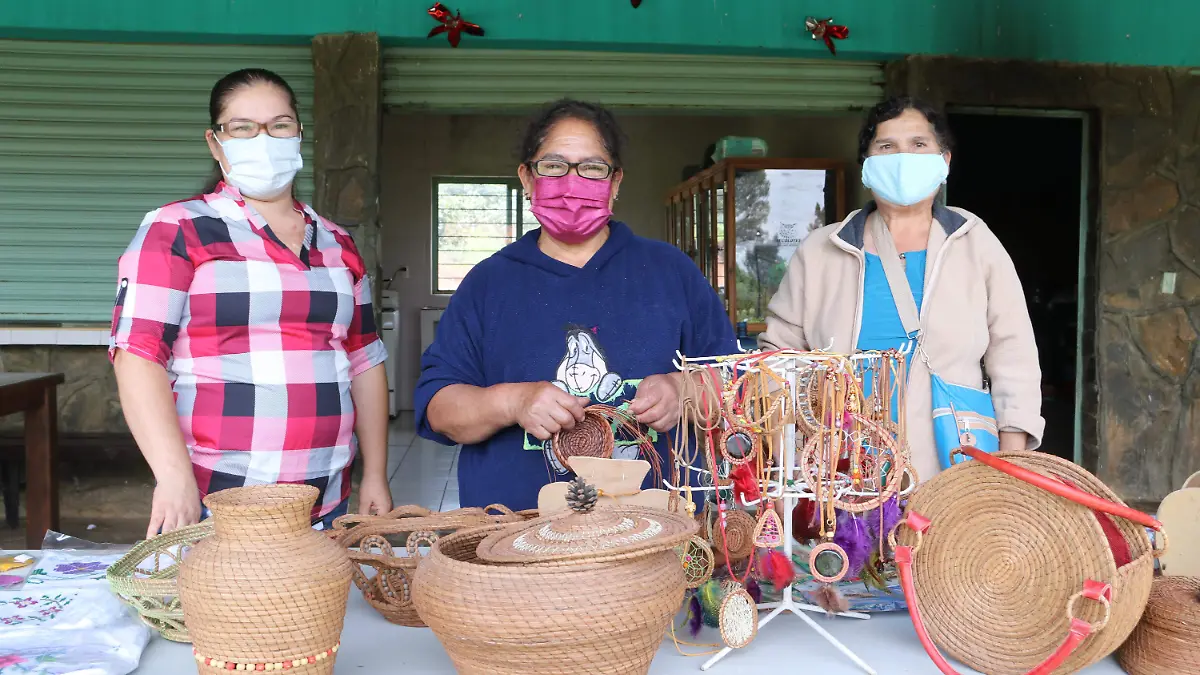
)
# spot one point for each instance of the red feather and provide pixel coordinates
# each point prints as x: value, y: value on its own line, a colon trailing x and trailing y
x: 806, y: 523
x: 776, y: 568
x: 745, y: 484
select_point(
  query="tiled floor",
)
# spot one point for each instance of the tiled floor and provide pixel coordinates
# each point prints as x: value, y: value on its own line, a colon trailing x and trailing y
x: 421, y: 472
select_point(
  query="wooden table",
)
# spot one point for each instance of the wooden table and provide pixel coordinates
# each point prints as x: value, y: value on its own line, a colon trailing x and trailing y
x: 36, y: 395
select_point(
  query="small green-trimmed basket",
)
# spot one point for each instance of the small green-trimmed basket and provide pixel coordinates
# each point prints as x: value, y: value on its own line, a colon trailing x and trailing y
x: 145, y: 579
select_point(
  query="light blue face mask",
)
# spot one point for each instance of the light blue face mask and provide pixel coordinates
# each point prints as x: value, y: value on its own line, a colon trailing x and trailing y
x: 904, y: 178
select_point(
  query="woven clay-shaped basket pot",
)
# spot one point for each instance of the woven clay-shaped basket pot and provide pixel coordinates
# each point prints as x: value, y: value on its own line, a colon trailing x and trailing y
x: 265, y: 589
x: 1167, y: 641
x: 1010, y: 564
x: 410, y: 529
x: 568, y: 593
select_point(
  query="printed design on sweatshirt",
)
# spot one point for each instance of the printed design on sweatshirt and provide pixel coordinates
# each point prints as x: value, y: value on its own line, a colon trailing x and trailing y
x: 584, y: 371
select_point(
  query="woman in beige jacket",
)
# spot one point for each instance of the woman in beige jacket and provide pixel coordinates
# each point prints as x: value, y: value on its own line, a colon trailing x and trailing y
x: 968, y: 300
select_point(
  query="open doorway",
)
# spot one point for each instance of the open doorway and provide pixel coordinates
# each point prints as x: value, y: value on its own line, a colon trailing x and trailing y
x: 1026, y: 174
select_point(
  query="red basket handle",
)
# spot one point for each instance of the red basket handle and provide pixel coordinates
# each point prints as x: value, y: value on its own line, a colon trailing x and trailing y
x: 1061, y: 489
x: 1078, y: 632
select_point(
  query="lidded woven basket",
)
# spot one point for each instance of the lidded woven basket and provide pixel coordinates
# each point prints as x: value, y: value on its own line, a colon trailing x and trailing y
x: 1002, y: 568
x: 1167, y: 640
x: 588, y: 590
x: 265, y: 591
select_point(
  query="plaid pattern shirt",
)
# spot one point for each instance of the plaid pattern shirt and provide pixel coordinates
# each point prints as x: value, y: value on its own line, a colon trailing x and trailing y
x: 260, y: 344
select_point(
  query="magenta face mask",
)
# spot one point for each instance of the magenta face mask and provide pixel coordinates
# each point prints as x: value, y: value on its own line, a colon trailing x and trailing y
x: 571, y: 208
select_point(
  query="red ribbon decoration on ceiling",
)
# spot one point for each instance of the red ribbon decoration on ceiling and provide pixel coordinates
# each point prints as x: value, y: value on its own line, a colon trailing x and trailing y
x: 825, y: 29
x: 452, y: 25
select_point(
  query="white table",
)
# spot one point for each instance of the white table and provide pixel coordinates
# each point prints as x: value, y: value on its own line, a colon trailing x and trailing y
x: 372, y: 646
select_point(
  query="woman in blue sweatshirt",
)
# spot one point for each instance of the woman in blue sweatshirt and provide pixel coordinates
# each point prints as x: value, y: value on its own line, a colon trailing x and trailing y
x: 576, y: 312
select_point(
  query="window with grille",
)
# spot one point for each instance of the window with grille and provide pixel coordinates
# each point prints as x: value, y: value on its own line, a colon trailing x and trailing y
x: 472, y: 219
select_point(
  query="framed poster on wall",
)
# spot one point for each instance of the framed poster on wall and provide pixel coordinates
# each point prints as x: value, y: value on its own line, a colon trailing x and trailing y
x: 742, y: 219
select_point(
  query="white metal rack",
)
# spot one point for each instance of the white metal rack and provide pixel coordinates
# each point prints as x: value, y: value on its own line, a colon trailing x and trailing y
x: 785, y: 485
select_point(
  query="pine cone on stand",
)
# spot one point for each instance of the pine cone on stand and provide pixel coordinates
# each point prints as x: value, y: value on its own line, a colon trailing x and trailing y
x: 581, y: 497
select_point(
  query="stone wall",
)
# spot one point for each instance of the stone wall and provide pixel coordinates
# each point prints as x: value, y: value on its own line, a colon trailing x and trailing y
x: 87, y: 401
x: 1145, y: 431
x: 347, y: 113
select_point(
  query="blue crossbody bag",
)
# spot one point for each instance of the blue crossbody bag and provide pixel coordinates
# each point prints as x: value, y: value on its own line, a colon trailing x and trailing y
x: 961, y: 415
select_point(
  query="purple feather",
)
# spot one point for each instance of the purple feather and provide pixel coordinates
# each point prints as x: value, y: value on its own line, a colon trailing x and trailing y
x: 855, y: 540
x: 695, y: 616
x: 891, y: 516
x: 754, y: 590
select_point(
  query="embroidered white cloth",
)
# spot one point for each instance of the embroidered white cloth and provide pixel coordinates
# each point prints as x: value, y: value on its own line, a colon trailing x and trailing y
x: 70, y: 568
x: 68, y: 631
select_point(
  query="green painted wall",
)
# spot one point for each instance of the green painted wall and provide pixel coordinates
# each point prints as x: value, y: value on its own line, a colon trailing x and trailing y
x: 1155, y: 32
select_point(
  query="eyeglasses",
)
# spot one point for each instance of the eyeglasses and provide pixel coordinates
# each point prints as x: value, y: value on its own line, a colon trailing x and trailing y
x: 249, y: 129
x: 554, y: 168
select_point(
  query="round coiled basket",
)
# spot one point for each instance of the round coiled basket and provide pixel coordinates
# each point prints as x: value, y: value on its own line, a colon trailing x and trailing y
x: 1001, y: 569
x: 568, y: 593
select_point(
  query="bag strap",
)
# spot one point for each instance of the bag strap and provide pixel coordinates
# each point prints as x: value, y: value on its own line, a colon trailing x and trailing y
x: 1092, y: 590
x: 897, y: 280
x: 1062, y: 489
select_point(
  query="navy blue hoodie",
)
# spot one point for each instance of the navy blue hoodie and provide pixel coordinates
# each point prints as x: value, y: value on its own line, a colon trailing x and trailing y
x: 596, y: 331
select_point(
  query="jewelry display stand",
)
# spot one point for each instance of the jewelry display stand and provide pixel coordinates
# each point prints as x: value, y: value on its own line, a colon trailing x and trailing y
x: 785, y: 487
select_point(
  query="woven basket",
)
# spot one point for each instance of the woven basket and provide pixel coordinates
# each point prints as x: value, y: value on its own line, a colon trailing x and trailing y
x: 1167, y: 641
x: 145, y: 579
x: 389, y: 589
x: 605, y: 612
x: 1002, y: 568
x: 265, y: 591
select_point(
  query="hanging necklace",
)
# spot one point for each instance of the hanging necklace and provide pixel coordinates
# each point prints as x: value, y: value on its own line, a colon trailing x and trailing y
x: 828, y: 562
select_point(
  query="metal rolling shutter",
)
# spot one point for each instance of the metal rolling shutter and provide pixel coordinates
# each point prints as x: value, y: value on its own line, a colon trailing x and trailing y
x: 92, y: 136
x: 478, y: 80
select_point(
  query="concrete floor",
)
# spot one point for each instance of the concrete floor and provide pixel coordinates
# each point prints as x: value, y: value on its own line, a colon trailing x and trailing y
x: 115, y: 503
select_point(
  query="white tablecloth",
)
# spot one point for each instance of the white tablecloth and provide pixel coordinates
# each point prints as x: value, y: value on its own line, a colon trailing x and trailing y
x: 372, y: 646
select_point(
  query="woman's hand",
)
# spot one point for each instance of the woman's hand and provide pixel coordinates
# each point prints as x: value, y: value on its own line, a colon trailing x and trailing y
x: 657, y: 402
x: 543, y: 409
x: 374, y: 495
x: 176, y: 503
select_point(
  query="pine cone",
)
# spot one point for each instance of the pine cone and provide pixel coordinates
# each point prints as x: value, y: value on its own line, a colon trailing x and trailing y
x: 581, y: 497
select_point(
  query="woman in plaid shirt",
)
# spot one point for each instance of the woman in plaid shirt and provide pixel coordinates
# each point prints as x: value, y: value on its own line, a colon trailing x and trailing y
x: 243, y: 336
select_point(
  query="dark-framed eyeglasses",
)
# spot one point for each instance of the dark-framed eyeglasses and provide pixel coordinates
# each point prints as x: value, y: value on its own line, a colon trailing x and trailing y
x: 554, y: 168
x: 281, y: 128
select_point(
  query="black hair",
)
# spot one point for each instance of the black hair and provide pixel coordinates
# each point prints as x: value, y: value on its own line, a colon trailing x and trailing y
x: 229, y: 85
x: 893, y: 108
x: 594, y: 114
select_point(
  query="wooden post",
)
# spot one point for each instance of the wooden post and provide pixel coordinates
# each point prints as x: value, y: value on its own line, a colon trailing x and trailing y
x: 41, y: 479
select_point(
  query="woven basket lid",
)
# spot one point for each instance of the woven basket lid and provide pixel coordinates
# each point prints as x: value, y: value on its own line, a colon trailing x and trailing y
x: 588, y: 533
x: 1175, y: 604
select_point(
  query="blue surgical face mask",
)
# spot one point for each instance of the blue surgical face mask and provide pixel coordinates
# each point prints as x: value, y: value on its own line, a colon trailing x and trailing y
x: 904, y: 178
